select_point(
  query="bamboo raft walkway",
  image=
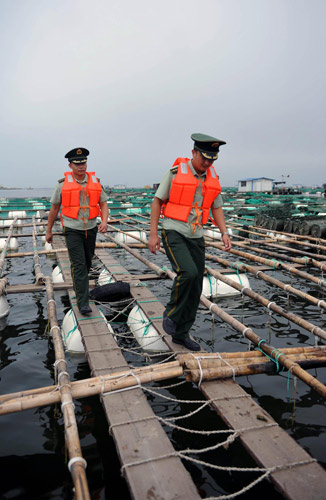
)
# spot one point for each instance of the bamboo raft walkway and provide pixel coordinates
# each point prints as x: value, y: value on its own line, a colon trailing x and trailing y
x: 150, y: 464
x: 138, y: 435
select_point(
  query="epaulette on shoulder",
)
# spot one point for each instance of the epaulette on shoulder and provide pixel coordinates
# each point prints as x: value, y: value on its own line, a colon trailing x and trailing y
x: 61, y: 180
x: 174, y: 170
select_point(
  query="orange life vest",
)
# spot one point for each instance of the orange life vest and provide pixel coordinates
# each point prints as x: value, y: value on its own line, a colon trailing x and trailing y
x: 183, y: 190
x: 70, y: 196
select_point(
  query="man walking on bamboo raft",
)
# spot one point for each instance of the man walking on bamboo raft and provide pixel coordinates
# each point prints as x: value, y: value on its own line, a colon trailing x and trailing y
x: 185, y: 196
x: 81, y: 198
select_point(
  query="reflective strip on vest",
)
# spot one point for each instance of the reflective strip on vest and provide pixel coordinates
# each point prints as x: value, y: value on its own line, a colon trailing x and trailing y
x: 184, y: 168
x: 213, y: 173
x: 69, y: 178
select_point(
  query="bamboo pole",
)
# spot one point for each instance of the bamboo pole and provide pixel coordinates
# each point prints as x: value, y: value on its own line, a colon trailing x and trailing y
x: 274, y: 264
x: 158, y: 270
x: 293, y: 250
x: 90, y: 388
x: 211, y: 362
x: 5, y: 248
x: 248, y: 354
x: 267, y: 262
x: 39, y: 276
x: 90, y: 381
x: 297, y: 260
x: 269, y: 279
x: 76, y: 463
x: 259, y: 230
x: 247, y: 332
x: 318, y: 264
x: 270, y: 304
x: 238, y: 371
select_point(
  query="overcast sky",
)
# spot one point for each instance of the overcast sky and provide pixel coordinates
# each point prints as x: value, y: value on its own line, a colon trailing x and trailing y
x: 131, y: 80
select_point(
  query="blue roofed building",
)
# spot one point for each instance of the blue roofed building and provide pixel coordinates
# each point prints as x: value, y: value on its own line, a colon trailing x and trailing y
x: 255, y: 184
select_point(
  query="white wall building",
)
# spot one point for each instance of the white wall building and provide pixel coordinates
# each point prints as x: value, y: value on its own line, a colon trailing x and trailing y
x: 255, y: 184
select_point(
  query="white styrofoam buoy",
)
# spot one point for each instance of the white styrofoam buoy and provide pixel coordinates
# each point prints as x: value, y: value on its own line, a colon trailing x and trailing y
x: 16, y: 213
x: 4, y: 307
x: 105, y: 278
x: 71, y: 335
x: 146, y: 335
x: 6, y: 222
x: 57, y: 275
x: 215, y: 234
x: 128, y: 238
x: 13, y: 243
x: 133, y: 210
x: 213, y: 287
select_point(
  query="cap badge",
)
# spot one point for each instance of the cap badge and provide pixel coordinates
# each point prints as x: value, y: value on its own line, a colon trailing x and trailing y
x: 79, y: 152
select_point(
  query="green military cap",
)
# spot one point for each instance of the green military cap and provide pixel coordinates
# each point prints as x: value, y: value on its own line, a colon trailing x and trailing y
x: 77, y: 155
x: 207, y: 145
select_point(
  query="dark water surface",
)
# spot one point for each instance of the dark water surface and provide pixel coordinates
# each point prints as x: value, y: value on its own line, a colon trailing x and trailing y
x: 33, y: 457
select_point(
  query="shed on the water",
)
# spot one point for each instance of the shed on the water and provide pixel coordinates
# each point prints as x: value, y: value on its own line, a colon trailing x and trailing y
x: 255, y: 184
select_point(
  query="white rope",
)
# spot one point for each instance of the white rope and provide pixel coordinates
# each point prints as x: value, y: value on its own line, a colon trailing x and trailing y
x: 269, y: 305
x: 74, y: 460
x: 244, y: 331
x: 229, y: 365
x: 60, y: 375
x: 55, y: 327
x: 67, y: 403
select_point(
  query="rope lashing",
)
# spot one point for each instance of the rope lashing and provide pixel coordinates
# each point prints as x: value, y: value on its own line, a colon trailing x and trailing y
x: 67, y: 403
x: 74, y: 460
x: 271, y: 358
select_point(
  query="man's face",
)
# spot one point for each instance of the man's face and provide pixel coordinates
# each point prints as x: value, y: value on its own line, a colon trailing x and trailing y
x: 78, y: 169
x: 200, y: 163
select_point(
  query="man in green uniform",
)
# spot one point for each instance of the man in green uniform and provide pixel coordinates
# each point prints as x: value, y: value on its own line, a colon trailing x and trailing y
x: 194, y: 189
x: 80, y: 196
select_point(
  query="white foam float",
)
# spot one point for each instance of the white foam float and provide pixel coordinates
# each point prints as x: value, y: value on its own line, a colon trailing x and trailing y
x: 13, y: 243
x: 144, y: 332
x: 215, y: 234
x: 71, y: 334
x: 48, y: 246
x: 16, y: 213
x: 57, y: 275
x: 105, y: 278
x: 4, y: 307
x: 133, y: 210
x: 6, y: 222
x: 128, y: 238
x: 213, y: 287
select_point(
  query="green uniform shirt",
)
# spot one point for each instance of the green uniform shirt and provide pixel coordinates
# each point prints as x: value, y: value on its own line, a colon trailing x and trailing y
x: 83, y: 213
x: 185, y: 228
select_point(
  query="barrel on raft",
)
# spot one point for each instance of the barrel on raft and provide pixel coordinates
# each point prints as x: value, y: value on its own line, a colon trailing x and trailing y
x: 71, y: 335
x: 144, y: 332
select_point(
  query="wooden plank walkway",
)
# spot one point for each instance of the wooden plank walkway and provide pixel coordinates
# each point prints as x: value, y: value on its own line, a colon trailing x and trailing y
x: 268, y: 443
x: 140, y: 439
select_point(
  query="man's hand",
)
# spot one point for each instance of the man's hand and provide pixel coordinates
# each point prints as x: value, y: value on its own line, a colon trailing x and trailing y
x: 103, y: 227
x: 49, y: 236
x: 154, y: 243
x: 227, y: 242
